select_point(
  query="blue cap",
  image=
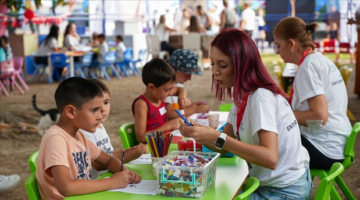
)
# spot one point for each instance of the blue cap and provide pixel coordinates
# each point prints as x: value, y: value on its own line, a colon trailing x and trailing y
x: 185, y: 61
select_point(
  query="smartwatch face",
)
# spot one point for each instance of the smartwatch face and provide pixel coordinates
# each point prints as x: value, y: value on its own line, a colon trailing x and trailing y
x: 220, y: 143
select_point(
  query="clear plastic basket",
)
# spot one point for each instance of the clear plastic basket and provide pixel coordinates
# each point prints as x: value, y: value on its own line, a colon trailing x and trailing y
x: 194, y: 182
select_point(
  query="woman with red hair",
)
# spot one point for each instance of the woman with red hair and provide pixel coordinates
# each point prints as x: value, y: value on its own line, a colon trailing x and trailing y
x: 261, y: 128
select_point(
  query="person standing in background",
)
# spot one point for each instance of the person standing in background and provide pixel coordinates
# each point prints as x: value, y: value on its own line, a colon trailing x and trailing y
x: 259, y: 31
x: 227, y: 17
x: 247, y: 19
x: 203, y: 18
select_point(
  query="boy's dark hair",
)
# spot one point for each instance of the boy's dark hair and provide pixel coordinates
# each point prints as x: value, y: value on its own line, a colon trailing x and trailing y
x: 5, y: 39
x: 101, y: 36
x: 119, y: 37
x: 100, y: 84
x: 157, y: 72
x: 75, y: 91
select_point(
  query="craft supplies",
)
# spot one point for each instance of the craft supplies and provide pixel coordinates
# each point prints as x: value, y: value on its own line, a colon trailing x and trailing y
x: 186, y: 174
x: 159, y: 143
x: 188, y: 145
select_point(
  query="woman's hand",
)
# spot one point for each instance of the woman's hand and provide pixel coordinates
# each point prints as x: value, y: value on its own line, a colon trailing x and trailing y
x: 201, y: 134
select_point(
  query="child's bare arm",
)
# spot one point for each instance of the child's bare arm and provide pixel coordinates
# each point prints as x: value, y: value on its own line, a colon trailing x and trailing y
x: 70, y: 187
x: 140, y: 111
x: 140, y: 115
x: 170, y: 112
x: 132, y: 153
x: 182, y: 100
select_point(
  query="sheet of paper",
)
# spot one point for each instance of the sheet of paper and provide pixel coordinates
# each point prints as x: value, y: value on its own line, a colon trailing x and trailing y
x: 144, y: 160
x: 144, y: 187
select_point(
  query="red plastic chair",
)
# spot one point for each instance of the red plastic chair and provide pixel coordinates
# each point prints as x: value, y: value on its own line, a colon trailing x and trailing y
x: 329, y: 46
x: 344, y: 47
x: 18, y: 63
x: 317, y: 46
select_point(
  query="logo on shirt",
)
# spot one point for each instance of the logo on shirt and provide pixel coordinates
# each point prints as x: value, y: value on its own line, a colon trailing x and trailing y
x: 337, y: 82
x: 82, y: 163
x: 102, y: 142
x: 292, y: 125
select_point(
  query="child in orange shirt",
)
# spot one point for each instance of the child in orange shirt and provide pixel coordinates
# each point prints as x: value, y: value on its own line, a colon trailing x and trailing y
x: 65, y: 155
x: 102, y: 140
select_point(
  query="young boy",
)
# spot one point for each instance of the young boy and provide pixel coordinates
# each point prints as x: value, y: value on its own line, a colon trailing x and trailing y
x: 6, y: 46
x: 120, y: 48
x: 65, y: 155
x: 101, y: 139
x: 149, y: 108
x: 103, y: 48
x: 184, y: 62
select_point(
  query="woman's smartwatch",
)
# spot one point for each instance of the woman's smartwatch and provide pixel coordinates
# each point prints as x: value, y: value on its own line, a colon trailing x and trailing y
x: 220, y: 141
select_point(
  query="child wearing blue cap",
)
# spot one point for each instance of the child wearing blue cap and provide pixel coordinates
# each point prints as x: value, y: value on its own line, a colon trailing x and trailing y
x: 184, y: 62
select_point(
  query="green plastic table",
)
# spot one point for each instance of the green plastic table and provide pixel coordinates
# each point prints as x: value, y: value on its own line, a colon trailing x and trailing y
x: 230, y: 174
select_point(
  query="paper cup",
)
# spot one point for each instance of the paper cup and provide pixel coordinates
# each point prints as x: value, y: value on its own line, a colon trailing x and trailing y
x: 214, y: 120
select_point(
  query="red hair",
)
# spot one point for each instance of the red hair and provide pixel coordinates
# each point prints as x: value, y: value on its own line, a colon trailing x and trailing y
x: 249, y: 70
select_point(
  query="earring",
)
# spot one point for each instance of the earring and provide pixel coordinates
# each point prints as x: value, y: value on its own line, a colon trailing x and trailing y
x: 292, y: 50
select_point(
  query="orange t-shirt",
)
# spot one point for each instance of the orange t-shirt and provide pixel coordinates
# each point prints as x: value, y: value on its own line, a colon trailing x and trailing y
x: 59, y: 148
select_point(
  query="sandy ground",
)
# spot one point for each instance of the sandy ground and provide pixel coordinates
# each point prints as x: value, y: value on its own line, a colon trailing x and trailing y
x: 17, y: 144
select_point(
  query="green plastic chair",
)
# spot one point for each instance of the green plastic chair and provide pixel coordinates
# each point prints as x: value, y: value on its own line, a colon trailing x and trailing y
x: 32, y: 188
x: 127, y: 135
x: 225, y: 107
x: 348, y: 162
x: 33, y: 161
x: 327, y: 184
x: 250, y: 186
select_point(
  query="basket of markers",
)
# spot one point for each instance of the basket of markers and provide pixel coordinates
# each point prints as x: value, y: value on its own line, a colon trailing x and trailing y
x: 186, y: 173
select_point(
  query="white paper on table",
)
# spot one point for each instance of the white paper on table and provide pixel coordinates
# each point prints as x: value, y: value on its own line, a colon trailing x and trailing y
x: 143, y: 160
x: 144, y: 187
x: 176, y: 133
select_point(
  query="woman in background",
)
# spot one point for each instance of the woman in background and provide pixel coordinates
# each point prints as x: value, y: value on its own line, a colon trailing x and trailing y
x: 163, y: 32
x: 194, y: 26
x: 49, y: 45
x: 71, y: 38
x: 319, y: 96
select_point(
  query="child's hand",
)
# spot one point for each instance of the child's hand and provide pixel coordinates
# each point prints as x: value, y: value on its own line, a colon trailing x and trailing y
x: 143, y: 149
x: 135, y: 178
x: 140, y: 149
x: 184, y: 102
x: 174, y: 124
x: 202, y: 108
x: 122, y: 179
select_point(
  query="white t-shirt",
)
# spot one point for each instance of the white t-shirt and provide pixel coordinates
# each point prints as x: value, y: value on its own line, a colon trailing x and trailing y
x: 71, y: 41
x: 173, y: 99
x: 103, y: 48
x: 315, y: 76
x: 268, y: 111
x: 162, y: 33
x: 120, y: 49
x: 101, y: 139
x: 44, y: 49
x: 249, y: 16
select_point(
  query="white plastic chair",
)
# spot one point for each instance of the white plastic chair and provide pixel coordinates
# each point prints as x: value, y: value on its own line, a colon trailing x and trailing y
x: 192, y: 41
x: 153, y: 45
